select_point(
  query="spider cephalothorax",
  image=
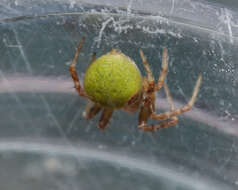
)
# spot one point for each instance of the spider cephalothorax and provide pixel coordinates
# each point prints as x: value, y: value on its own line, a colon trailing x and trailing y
x: 113, y: 81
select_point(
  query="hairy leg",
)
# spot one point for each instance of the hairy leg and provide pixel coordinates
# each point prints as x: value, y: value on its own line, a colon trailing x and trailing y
x: 91, y: 110
x: 171, y: 116
x: 169, y: 123
x: 148, y: 96
x: 148, y: 83
x: 147, y: 67
x: 105, y: 117
x: 164, y: 70
x: 174, y: 119
x: 163, y: 73
x: 133, y: 103
x: 144, y: 115
x: 73, y: 72
x: 179, y: 111
x: 151, y: 87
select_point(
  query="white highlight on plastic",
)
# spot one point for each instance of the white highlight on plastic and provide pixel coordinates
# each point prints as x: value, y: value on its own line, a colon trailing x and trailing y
x: 228, y: 22
x: 25, y: 84
x: 113, y: 157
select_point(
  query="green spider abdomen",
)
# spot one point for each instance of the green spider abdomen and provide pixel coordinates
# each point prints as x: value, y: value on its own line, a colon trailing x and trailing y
x: 112, y: 79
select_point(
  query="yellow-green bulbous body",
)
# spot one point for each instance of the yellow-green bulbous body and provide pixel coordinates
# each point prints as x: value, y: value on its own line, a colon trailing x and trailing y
x: 112, y: 79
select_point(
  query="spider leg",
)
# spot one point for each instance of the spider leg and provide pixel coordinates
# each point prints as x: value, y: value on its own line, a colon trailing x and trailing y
x: 147, y: 107
x: 169, y: 97
x: 148, y: 97
x: 179, y: 111
x: 165, y: 124
x: 151, y: 86
x: 73, y: 72
x: 148, y: 82
x: 171, y: 116
x: 148, y: 102
x: 91, y: 110
x: 105, y: 117
x: 147, y: 67
x: 174, y: 119
x: 144, y: 115
x: 164, y: 70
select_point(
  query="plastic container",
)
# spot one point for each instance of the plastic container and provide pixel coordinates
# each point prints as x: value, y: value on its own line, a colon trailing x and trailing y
x: 45, y: 143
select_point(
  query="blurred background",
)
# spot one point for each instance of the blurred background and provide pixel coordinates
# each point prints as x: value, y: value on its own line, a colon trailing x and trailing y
x: 45, y: 143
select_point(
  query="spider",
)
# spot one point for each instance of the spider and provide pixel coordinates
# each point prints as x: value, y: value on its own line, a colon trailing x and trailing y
x: 113, y: 81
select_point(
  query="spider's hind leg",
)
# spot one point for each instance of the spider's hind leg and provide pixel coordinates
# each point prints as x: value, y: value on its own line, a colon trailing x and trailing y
x: 148, y: 105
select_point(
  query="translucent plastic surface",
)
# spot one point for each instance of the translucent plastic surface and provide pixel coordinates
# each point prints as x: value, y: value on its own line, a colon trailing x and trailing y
x: 45, y: 142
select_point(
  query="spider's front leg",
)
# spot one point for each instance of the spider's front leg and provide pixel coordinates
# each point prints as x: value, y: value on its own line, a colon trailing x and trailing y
x: 150, y: 84
x: 171, y: 116
x: 73, y: 72
x: 148, y: 104
x: 148, y: 95
x: 147, y: 109
x: 164, y: 70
